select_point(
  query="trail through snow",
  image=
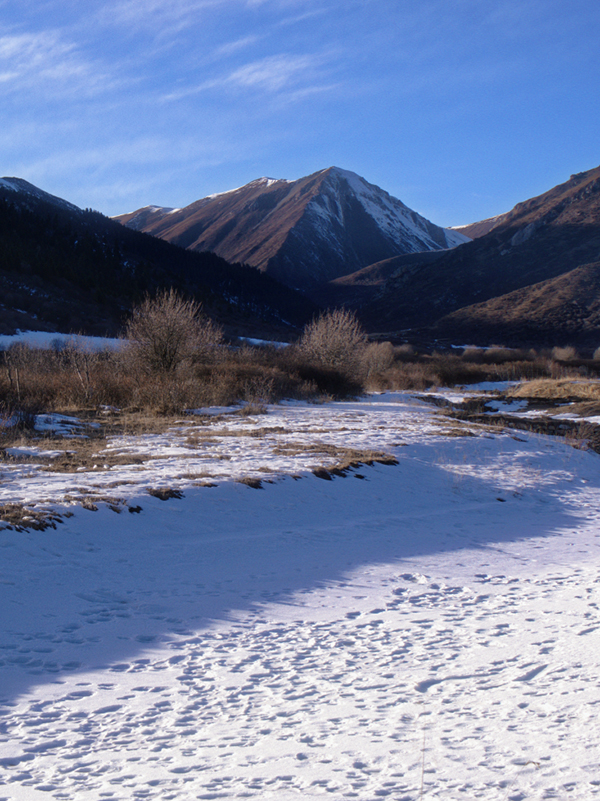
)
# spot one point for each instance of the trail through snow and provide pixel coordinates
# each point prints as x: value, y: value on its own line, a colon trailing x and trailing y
x: 425, y: 630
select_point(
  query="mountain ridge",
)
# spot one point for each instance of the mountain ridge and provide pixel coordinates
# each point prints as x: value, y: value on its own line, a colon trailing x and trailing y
x: 539, y: 239
x: 304, y: 232
x: 564, y: 310
x: 22, y: 187
x: 65, y: 268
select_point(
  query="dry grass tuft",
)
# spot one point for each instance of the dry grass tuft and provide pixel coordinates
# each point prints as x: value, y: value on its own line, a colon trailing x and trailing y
x: 252, y: 409
x: 249, y: 481
x: 165, y: 493
x: 18, y: 517
x: 557, y: 390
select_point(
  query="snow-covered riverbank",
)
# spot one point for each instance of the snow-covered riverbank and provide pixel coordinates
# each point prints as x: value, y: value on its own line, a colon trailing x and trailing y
x: 312, y: 638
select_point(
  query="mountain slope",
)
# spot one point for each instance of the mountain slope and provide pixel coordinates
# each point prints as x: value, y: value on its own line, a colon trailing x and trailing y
x: 23, y: 191
x: 362, y: 286
x: 303, y: 232
x: 561, y: 310
x: 481, y: 228
x: 540, y: 239
x: 63, y: 268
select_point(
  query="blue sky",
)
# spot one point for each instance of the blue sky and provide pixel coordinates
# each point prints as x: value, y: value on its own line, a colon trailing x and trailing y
x: 461, y: 108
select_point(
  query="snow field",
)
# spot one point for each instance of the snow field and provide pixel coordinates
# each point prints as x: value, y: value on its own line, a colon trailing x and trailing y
x: 291, y: 439
x: 315, y: 638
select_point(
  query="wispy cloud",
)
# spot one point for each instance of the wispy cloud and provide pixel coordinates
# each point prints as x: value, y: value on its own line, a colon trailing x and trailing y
x: 47, y: 63
x: 158, y: 16
x: 301, y: 17
x: 169, y: 16
x: 229, y: 48
x: 272, y: 74
x: 282, y: 4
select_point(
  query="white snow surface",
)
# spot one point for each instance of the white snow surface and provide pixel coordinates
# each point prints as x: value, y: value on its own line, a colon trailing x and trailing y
x: 429, y: 630
x: 49, y: 339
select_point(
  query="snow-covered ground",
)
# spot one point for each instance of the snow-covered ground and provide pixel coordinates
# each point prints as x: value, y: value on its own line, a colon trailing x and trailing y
x: 424, y: 630
x: 48, y: 339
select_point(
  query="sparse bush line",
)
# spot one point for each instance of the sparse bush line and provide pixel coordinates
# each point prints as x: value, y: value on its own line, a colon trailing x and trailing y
x: 175, y: 360
x: 69, y: 380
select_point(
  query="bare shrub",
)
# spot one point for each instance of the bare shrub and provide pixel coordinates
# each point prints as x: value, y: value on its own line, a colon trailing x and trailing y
x: 418, y: 371
x: 257, y: 377
x: 499, y: 355
x: 404, y: 353
x: 407, y: 375
x: 82, y: 359
x: 377, y: 357
x: 329, y: 382
x: 169, y: 393
x: 335, y: 341
x: 453, y: 369
x: 32, y: 376
x: 258, y: 390
x: 167, y: 330
x: 474, y: 354
x: 17, y: 359
x: 566, y: 354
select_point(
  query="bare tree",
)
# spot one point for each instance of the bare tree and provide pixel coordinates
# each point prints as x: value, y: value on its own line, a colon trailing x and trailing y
x: 19, y: 360
x: 81, y: 358
x: 167, y: 329
x: 335, y: 340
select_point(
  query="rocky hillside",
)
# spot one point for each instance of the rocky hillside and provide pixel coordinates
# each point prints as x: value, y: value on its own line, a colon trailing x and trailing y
x: 560, y: 311
x: 540, y: 239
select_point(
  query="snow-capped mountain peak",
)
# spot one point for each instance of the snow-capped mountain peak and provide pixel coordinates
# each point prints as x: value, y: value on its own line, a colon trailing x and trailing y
x: 394, y: 217
x: 304, y: 232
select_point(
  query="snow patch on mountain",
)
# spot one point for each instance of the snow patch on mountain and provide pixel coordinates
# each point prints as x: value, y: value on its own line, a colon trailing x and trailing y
x: 264, y: 182
x: 393, y: 218
x: 8, y: 184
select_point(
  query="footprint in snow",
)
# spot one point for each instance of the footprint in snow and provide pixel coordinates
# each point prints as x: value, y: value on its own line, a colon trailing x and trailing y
x: 414, y: 578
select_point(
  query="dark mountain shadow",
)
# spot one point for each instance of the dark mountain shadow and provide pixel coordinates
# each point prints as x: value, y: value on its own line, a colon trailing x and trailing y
x: 66, y: 269
x: 478, y: 271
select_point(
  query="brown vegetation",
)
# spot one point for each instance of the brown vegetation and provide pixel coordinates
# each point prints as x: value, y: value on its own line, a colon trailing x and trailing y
x: 335, y: 341
x: 110, y: 384
x: 173, y: 360
x: 166, y: 331
x: 558, y: 390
